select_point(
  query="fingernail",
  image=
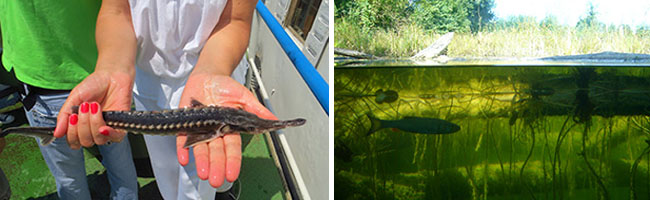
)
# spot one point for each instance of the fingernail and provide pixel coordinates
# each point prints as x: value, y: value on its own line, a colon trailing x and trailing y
x: 94, y: 107
x: 84, y: 107
x: 104, y: 132
x: 73, y: 119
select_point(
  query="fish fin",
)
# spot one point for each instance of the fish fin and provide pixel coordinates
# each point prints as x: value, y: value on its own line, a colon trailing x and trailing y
x: 46, y: 139
x: 196, y: 103
x: 199, y: 138
x: 375, y: 124
x: 74, y: 109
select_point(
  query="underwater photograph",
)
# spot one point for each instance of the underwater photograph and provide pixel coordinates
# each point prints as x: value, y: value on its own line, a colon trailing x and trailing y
x: 504, y: 132
x: 513, y: 107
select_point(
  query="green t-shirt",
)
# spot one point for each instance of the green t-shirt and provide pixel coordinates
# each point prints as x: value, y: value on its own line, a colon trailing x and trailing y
x: 49, y: 43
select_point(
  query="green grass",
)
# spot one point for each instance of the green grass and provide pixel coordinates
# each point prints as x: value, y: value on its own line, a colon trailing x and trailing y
x: 402, y: 42
x: 523, y: 41
x: 23, y: 163
x: 29, y: 176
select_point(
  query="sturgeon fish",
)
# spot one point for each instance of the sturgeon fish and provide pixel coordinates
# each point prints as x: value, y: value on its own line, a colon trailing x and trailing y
x: 199, y: 122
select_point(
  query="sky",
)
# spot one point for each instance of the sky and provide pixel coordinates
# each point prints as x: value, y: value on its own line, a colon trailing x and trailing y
x: 568, y: 12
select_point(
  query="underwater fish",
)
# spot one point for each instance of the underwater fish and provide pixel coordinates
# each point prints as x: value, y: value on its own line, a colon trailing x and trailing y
x: 201, y: 123
x: 414, y: 125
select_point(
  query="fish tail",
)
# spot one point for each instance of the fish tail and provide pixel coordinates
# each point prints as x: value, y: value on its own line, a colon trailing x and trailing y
x: 45, y: 134
x: 375, y: 124
x: 46, y: 139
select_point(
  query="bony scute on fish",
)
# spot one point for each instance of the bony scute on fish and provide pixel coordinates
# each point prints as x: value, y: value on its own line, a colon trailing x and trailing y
x: 201, y: 123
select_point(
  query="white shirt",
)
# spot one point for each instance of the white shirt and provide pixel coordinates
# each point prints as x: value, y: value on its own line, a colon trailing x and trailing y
x: 171, y: 35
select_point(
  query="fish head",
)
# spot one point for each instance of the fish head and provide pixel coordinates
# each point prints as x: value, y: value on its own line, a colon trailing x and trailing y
x: 242, y: 121
x: 454, y: 128
x: 260, y: 126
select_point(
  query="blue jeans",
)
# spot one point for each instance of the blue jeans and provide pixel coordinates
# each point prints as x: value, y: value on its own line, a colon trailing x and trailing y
x: 68, y: 165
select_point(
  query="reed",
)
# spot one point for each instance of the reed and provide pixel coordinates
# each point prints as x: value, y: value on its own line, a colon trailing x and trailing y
x: 523, y: 40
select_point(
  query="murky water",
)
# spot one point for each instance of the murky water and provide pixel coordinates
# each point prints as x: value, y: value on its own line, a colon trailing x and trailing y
x: 525, y: 133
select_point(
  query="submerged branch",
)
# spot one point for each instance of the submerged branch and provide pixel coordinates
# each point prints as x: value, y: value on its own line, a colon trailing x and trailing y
x: 556, y: 158
x: 591, y: 169
x: 530, y: 154
x: 633, y: 170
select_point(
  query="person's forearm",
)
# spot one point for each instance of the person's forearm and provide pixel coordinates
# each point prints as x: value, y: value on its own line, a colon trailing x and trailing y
x: 116, y: 42
x: 228, y: 41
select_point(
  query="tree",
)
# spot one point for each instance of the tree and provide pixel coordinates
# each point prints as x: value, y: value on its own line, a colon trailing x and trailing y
x: 340, y: 7
x: 480, y: 13
x: 590, y: 21
x: 550, y: 22
x: 643, y: 31
x: 376, y: 13
x: 436, y: 15
x: 441, y: 15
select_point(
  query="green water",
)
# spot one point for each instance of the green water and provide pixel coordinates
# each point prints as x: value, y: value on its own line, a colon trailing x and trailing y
x: 526, y: 133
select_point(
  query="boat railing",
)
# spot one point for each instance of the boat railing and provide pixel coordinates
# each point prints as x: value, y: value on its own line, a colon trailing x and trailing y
x: 307, y: 71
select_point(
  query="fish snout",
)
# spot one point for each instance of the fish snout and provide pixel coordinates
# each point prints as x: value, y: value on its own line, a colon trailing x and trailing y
x: 295, y: 122
x: 270, y: 125
x: 455, y: 128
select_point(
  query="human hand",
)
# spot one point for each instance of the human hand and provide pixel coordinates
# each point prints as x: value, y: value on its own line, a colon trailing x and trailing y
x: 219, y: 158
x: 112, y: 90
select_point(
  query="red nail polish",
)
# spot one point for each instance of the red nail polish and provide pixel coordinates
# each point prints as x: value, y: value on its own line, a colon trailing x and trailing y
x: 104, y: 132
x: 73, y: 119
x: 84, y: 108
x: 94, y: 107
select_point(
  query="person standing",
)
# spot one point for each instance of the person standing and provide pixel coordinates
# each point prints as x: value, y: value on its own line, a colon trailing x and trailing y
x: 50, y: 47
x: 185, y: 49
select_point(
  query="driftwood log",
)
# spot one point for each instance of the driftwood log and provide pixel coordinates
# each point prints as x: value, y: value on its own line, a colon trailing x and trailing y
x: 438, y: 48
x: 353, y: 53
